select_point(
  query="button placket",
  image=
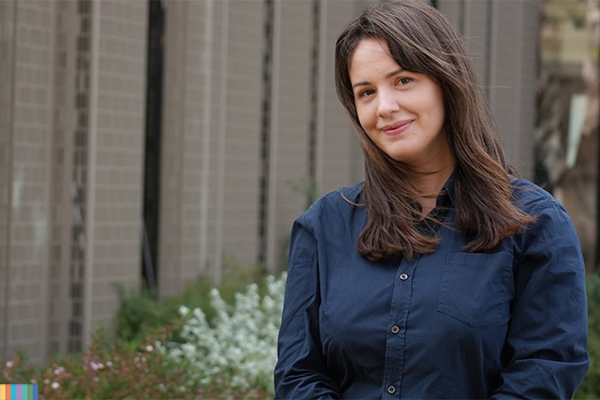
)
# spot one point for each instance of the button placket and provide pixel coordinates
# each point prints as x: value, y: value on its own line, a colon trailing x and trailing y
x: 396, y: 346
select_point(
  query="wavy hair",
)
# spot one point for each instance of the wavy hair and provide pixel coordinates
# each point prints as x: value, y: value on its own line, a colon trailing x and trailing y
x: 421, y: 40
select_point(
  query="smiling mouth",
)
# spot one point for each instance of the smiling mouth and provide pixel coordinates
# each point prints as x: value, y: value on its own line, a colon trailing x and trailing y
x: 397, y: 129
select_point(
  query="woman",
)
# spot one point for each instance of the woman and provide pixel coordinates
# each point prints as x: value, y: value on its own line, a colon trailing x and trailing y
x: 443, y: 275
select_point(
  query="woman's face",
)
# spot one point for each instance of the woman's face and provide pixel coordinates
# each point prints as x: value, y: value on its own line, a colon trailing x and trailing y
x: 401, y: 111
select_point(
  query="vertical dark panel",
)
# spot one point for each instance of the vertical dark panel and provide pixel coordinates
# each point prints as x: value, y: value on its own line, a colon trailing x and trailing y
x: 314, y: 94
x: 79, y: 175
x: 265, y: 129
x: 488, y: 52
x: 154, y: 74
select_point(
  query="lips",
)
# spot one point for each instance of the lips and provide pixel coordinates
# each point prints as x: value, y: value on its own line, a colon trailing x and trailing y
x: 397, y: 128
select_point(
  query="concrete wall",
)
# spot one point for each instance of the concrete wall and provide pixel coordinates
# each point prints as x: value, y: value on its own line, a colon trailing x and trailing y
x: 72, y: 95
x: 249, y: 119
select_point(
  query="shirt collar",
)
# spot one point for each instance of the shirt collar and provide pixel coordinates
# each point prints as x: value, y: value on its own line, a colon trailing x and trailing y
x: 448, y: 188
x: 354, y: 193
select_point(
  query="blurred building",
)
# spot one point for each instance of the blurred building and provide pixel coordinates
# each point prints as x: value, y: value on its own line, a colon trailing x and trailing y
x: 72, y: 95
x: 156, y: 141
x: 568, y: 114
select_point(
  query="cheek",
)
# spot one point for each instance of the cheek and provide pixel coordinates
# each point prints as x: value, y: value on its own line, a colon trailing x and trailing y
x: 434, y: 113
x: 360, y: 117
x: 364, y: 117
x: 437, y: 113
x: 439, y: 105
x: 441, y: 115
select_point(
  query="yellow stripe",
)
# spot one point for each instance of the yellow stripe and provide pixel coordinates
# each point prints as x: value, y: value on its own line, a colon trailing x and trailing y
x: 2, y: 392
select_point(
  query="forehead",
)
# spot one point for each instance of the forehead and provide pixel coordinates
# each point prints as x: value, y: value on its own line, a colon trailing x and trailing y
x: 371, y: 44
x: 371, y: 55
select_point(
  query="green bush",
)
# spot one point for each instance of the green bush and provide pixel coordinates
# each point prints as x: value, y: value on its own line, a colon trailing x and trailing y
x: 134, y: 362
x: 148, y: 367
x: 236, y: 350
x: 107, y: 370
x: 141, y: 312
x: 590, y: 387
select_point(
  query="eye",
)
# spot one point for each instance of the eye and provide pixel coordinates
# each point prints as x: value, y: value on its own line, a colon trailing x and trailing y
x: 404, y: 81
x: 366, y: 93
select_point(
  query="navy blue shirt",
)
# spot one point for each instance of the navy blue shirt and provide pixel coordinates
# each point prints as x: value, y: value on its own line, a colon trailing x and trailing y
x: 508, y: 323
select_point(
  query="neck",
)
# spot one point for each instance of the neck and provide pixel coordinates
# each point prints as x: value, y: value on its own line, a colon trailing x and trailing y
x: 430, y: 184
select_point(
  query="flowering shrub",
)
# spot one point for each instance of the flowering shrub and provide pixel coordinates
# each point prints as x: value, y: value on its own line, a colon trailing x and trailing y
x: 232, y: 357
x: 106, y: 371
x: 236, y: 351
x: 141, y: 312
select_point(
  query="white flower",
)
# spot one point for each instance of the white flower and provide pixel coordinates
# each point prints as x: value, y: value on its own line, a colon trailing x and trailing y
x: 237, y: 350
x: 199, y: 314
x: 55, y: 385
x: 9, y: 364
x: 188, y: 350
x: 183, y: 310
x: 109, y: 364
x: 149, y: 348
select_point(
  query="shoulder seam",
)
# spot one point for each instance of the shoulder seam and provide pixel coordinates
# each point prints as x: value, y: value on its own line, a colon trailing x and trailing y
x: 537, y: 211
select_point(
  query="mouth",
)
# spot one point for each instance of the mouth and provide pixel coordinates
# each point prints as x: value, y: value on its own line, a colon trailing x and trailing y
x: 396, y: 128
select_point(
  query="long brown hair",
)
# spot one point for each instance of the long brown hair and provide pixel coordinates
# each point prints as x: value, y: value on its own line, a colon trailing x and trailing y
x: 421, y: 40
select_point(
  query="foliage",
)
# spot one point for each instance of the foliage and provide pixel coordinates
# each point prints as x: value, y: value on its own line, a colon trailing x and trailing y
x: 237, y: 350
x: 141, y: 312
x: 106, y: 371
x: 590, y: 387
x: 232, y: 357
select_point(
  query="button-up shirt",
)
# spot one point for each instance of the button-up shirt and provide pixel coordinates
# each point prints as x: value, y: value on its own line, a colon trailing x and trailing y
x: 506, y: 323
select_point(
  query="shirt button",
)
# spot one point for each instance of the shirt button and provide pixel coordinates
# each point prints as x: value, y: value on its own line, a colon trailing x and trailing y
x: 391, y: 389
x: 395, y: 329
x: 403, y: 277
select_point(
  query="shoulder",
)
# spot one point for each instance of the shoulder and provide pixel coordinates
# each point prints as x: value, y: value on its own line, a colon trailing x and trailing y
x: 334, y: 205
x: 531, y: 198
x: 551, y: 218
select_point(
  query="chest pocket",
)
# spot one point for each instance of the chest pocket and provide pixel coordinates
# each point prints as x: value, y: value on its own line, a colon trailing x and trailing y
x: 476, y: 288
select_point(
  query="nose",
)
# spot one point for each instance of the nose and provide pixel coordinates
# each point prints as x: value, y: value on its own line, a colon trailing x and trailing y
x: 388, y: 103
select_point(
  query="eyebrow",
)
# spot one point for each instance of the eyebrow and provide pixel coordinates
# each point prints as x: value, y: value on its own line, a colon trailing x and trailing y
x: 387, y: 77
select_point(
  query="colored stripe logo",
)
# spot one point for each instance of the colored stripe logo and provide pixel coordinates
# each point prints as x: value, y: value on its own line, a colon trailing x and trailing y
x: 18, y: 392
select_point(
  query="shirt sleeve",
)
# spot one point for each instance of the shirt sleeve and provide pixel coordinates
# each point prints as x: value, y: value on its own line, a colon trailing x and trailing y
x: 301, y: 372
x: 546, y: 342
